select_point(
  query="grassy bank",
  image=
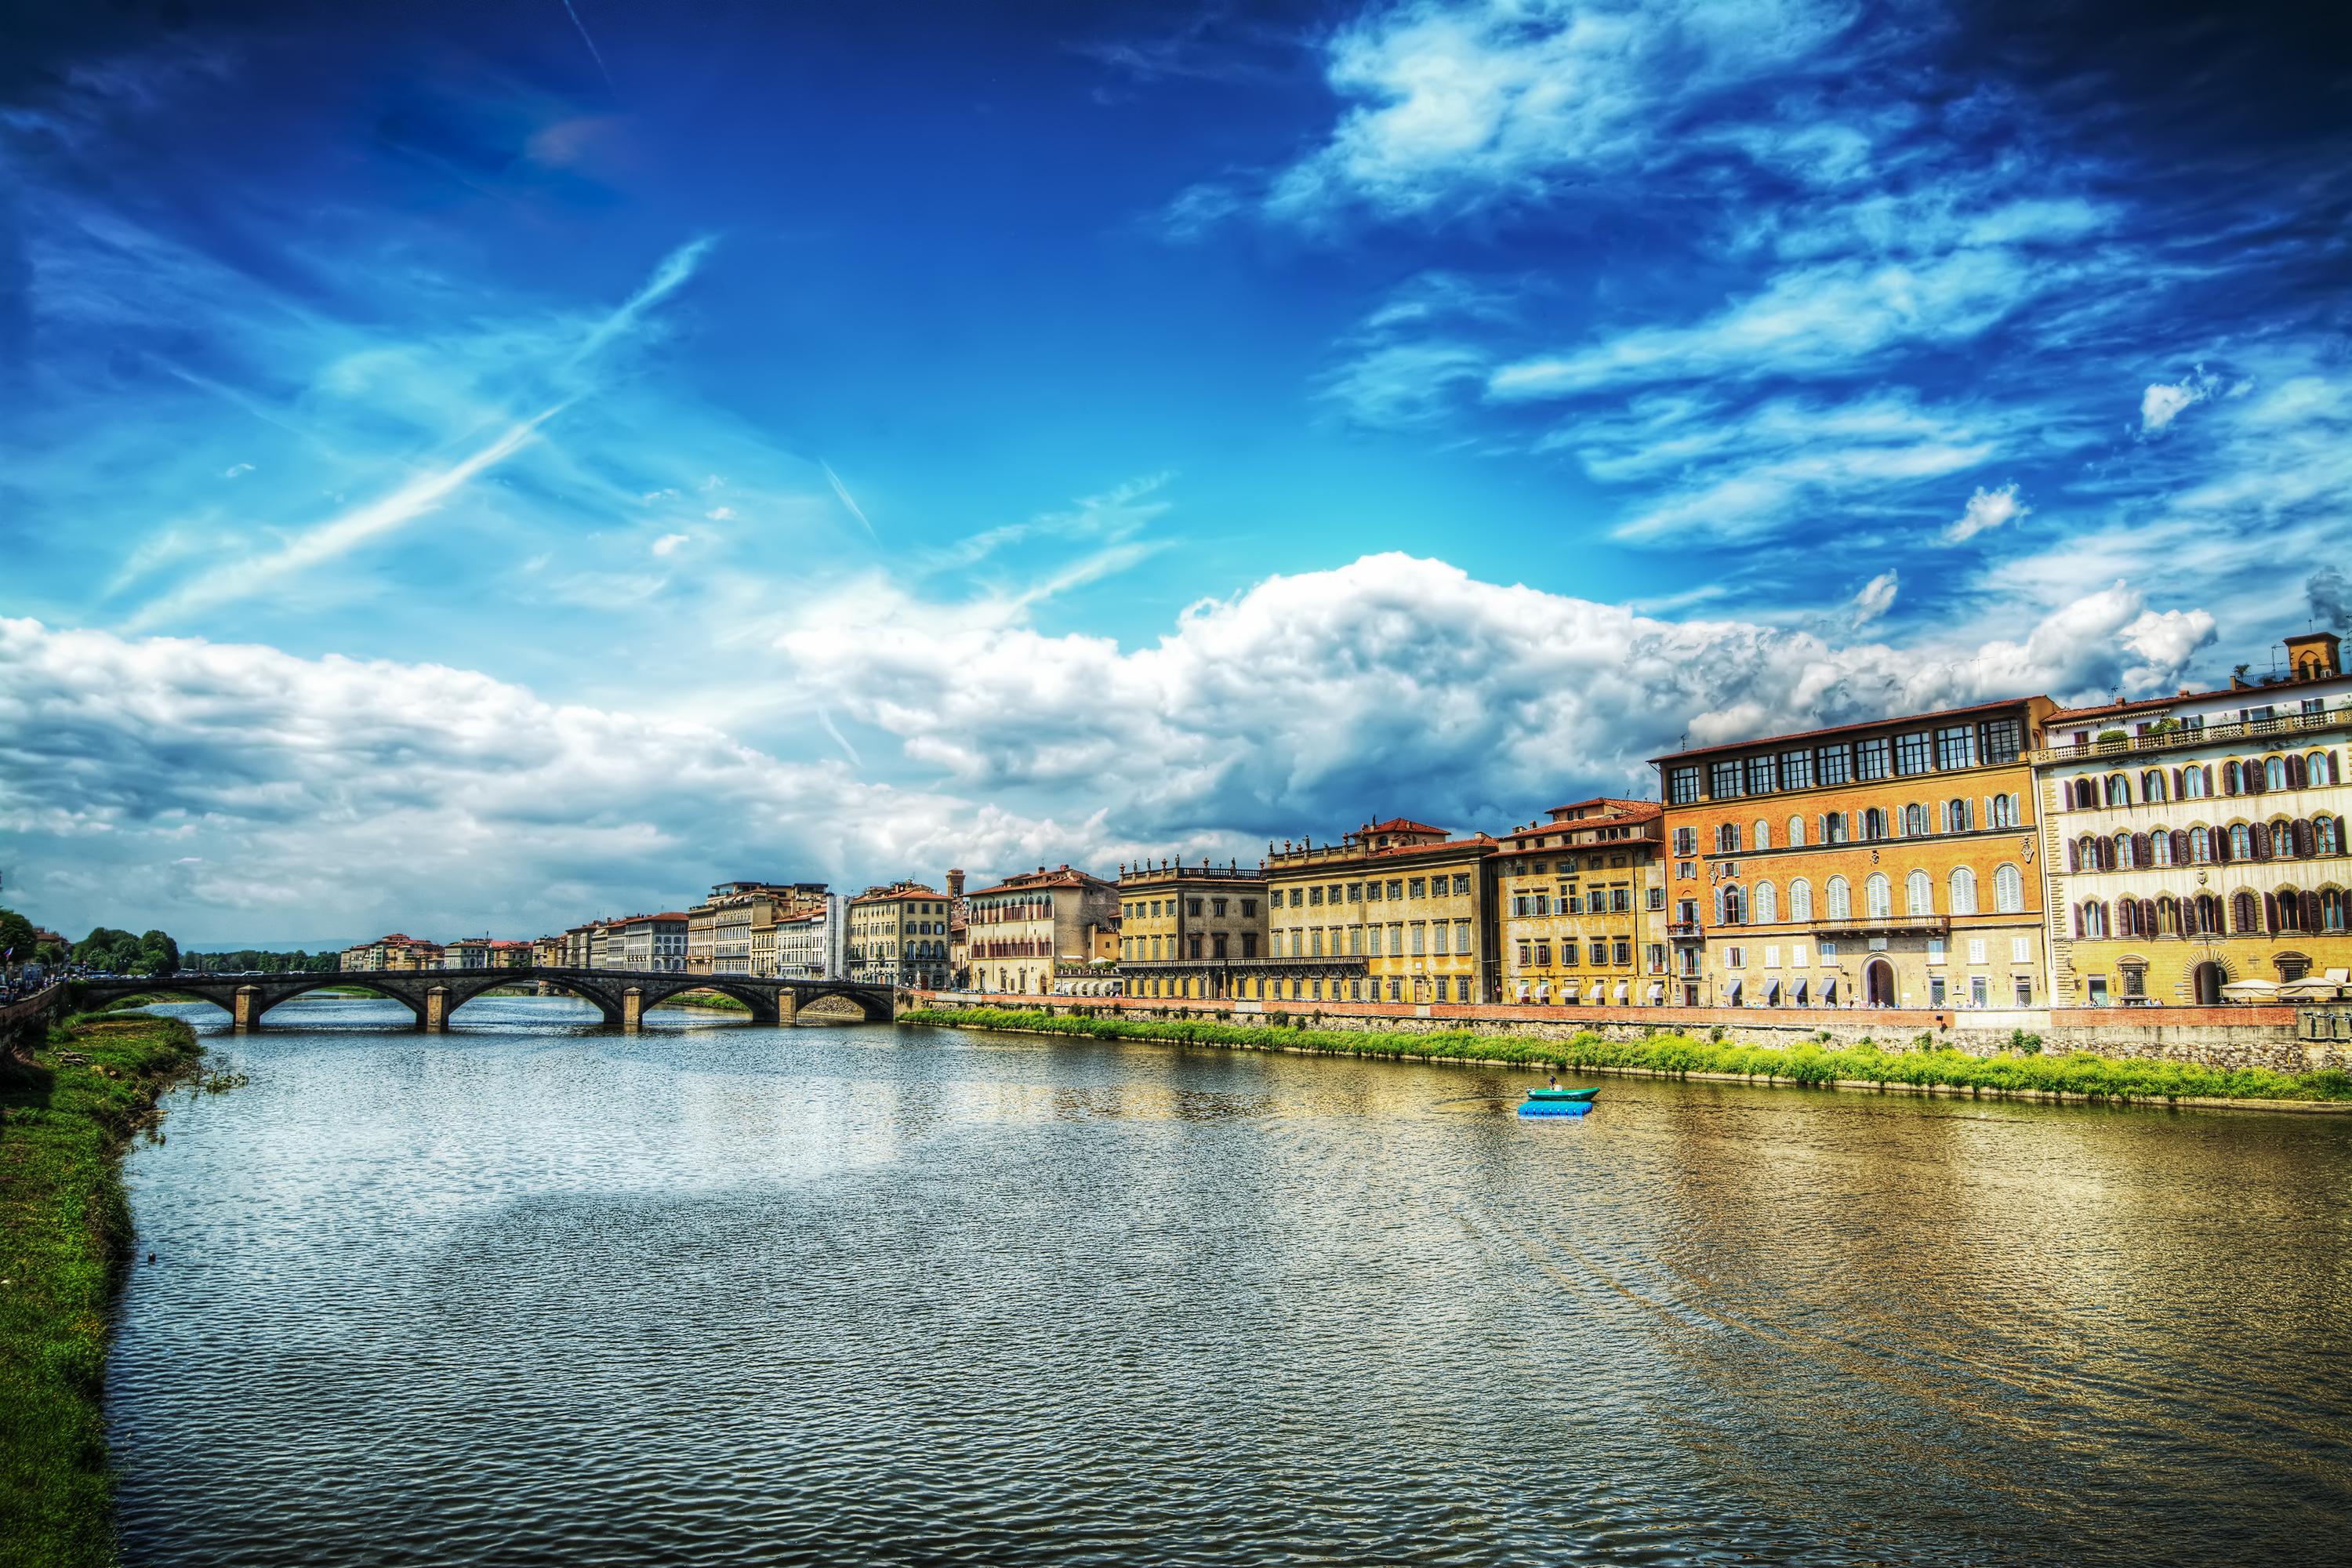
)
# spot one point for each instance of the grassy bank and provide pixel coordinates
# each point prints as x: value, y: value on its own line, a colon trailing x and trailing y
x: 65, y: 1237
x: 717, y: 1001
x: 2096, y: 1078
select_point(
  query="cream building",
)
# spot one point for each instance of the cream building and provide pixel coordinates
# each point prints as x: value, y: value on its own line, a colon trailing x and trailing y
x: 899, y: 936
x: 1031, y: 932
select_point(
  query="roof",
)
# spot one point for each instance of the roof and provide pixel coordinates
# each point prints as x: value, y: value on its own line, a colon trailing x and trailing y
x: 1042, y: 879
x: 1401, y: 824
x: 896, y: 890
x: 1843, y: 728
x: 1316, y: 860
x: 2142, y: 704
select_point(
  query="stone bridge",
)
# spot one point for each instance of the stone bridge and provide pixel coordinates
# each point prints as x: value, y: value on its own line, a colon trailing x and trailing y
x: 621, y: 995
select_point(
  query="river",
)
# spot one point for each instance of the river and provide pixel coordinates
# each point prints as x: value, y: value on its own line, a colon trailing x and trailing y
x: 532, y: 1292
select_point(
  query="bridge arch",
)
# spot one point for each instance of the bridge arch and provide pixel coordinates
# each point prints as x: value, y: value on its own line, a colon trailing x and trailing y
x: 607, y: 1002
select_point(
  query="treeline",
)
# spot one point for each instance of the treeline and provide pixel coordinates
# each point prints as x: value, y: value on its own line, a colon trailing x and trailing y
x: 253, y: 958
x: 120, y: 952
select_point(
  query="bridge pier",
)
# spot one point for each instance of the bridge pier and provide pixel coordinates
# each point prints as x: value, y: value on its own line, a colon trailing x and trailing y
x: 435, y: 1020
x: 247, y: 1013
x: 633, y: 1010
x: 788, y: 1001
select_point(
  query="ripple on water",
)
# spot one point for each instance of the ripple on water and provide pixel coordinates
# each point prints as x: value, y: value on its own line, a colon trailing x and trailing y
x: 533, y: 1292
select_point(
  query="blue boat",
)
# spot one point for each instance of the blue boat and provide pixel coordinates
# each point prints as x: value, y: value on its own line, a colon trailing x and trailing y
x: 1556, y: 1108
x: 1584, y: 1094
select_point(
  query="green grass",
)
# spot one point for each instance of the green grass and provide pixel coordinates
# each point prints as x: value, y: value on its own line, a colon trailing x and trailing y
x: 2122, y: 1079
x: 715, y: 999
x: 65, y: 1236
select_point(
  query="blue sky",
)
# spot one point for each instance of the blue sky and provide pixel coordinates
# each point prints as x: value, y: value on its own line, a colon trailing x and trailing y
x: 468, y: 465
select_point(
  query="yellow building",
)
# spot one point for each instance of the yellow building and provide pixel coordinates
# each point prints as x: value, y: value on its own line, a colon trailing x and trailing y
x: 2196, y: 844
x: 1190, y: 930
x: 1582, y: 899
x: 899, y: 936
x: 1395, y: 912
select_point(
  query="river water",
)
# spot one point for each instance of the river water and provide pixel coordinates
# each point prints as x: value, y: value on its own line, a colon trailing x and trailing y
x: 530, y: 1292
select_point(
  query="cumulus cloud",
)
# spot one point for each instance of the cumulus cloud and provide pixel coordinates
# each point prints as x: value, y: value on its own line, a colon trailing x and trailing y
x: 1986, y: 509
x: 2163, y: 402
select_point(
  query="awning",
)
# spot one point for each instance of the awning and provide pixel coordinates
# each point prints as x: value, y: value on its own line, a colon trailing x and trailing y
x: 1543, y: 990
x: 2250, y: 990
x: 1732, y: 996
x: 2314, y: 990
x: 1593, y: 994
x: 1657, y: 993
x: 1771, y: 993
x: 1829, y: 991
x: 1798, y: 996
x: 1619, y: 995
x: 1523, y: 990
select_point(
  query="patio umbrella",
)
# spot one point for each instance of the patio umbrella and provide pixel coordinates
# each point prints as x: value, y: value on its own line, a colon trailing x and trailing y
x: 2250, y: 990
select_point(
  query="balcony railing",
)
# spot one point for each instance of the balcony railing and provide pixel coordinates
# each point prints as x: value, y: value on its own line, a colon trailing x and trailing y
x: 1882, y: 925
x: 2174, y: 739
x: 1685, y: 931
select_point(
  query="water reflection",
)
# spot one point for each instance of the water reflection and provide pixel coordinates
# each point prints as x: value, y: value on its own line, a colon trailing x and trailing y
x: 534, y: 1291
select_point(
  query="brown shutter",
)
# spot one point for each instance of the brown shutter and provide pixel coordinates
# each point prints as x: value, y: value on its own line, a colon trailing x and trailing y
x: 2311, y: 911
x: 2231, y: 773
x: 2142, y: 854
x: 2269, y: 911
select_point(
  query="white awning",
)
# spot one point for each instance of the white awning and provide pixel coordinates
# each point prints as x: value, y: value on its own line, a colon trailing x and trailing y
x: 1733, y: 995
x: 1523, y: 990
x: 1620, y: 993
x: 1657, y: 992
x: 1593, y: 994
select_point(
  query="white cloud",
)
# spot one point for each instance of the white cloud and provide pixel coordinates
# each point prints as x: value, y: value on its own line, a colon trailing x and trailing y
x: 720, y: 514
x: 233, y: 469
x: 2163, y: 402
x: 1877, y: 598
x: 668, y: 543
x: 1986, y: 508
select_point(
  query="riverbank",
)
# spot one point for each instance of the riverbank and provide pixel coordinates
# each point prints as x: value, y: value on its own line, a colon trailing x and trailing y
x: 65, y: 1239
x: 2009, y: 1075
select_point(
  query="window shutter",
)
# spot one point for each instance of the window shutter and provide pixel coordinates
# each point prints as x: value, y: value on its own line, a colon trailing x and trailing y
x: 2311, y: 911
x: 2269, y: 911
x: 2142, y: 854
x: 2295, y: 772
x: 2230, y: 772
x: 2301, y: 835
x: 2257, y: 780
x: 2078, y: 920
x: 2074, y: 855
x: 2179, y: 846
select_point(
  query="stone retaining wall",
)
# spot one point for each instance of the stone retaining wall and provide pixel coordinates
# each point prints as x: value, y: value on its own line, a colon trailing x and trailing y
x: 2233, y: 1036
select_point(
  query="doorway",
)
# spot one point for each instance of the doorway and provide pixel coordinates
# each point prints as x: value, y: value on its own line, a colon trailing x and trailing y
x: 2207, y: 977
x: 1878, y: 983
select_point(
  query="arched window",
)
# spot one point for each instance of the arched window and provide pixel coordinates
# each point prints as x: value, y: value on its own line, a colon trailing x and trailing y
x: 2326, y: 836
x: 1732, y: 906
x: 1801, y: 899
x: 2008, y: 891
x: 2091, y: 919
x: 1768, y: 904
x: 1841, y: 899
x: 2082, y: 795
x: 2151, y: 786
x: 2245, y: 913
x: 1763, y: 831
x: 1726, y: 838
x: 2282, y: 839
x: 2331, y: 910
x: 2167, y: 916
x: 2159, y: 847
x: 1796, y: 832
x: 2194, y: 784
x: 1918, y: 894
x: 2118, y: 790
x: 2126, y: 917
x: 1873, y: 824
x: 2242, y: 843
x: 2200, y: 846
x: 2274, y: 773
x: 1915, y: 821
x: 2208, y: 920
x: 2319, y: 768
x: 1964, y: 892
x: 1878, y: 896
x: 2124, y: 850
x: 2004, y: 811
x: 2233, y: 778
x: 1958, y: 816
x: 2290, y: 911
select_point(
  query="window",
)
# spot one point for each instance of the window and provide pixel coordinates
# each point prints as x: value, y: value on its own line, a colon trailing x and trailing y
x: 1620, y: 900
x: 1734, y: 958
x: 1298, y: 897
x: 1686, y: 840
x: 1768, y: 904
x: 2274, y: 773
x: 1935, y: 953
x: 1874, y: 824
x: 1871, y: 759
x: 1730, y: 906
x: 1840, y: 903
x: 1911, y: 755
x: 1396, y: 888
x: 1763, y: 831
x: 1462, y: 884
x: 1373, y: 943
x: 1682, y: 785
x: 1955, y: 747
x: 1420, y: 938
x: 1461, y: 936
x: 1964, y: 892
x: 1915, y: 821
x: 1726, y: 838
x: 1835, y: 764
x: 2008, y: 892
x: 1624, y: 952
x: 1878, y: 896
x: 1418, y: 887
x: 2004, y: 811
x: 1192, y: 907
x: 1763, y: 775
x: 1796, y: 770
x: 1600, y: 953
x: 1828, y: 951
x: 1315, y: 896
x: 2024, y: 992
x: 1976, y: 950
x: 1723, y: 780
x: 2005, y: 741
x: 1249, y: 908
x: 1796, y: 832
x: 1935, y: 987
x: 1918, y: 894
x: 1356, y: 891
x: 1801, y: 899
x: 1959, y: 816
x: 1657, y: 899
x: 1833, y: 827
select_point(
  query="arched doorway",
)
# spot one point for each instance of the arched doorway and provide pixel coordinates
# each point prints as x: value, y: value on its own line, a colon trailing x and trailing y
x: 2207, y: 977
x: 1878, y: 983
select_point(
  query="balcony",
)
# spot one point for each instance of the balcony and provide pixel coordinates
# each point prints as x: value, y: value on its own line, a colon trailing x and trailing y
x: 1883, y: 925
x: 1685, y: 931
x: 2210, y: 734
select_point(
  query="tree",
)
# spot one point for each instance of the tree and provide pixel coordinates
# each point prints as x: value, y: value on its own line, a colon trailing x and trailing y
x: 158, y: 952
x: 15, y: 937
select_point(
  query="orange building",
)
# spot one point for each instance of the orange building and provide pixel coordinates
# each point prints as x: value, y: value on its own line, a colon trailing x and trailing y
x: 1887, y: 864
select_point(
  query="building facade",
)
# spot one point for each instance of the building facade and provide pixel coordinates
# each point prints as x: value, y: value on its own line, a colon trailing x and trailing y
x: 467, y: 952
x: 1030, y: 931
x: 1582, y: 901
x: 1396, y: 911
x: 2199, y: 841
x: 899, y: 936
x: 397, y: 953
x: 1190, y: 930
x: 812, y: 946
x: 1894, y: 864
x: 720, y: 930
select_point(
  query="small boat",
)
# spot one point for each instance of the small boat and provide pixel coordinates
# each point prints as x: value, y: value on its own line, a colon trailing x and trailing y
x: 1555, y: 1108
x: 1585, y: 1094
